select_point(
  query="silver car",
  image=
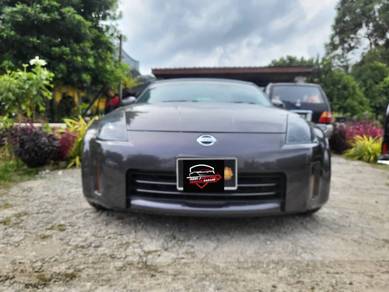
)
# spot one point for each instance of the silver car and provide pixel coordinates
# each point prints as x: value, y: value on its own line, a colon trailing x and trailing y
x: 264, y: 160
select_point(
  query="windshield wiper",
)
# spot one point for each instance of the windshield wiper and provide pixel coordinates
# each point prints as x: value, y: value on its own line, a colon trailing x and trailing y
x: 248, y: 102
x: 180, y: 100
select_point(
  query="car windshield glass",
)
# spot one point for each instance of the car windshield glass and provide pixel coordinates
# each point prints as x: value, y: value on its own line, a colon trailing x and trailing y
x: 297, y: 94
x: 204, y: 92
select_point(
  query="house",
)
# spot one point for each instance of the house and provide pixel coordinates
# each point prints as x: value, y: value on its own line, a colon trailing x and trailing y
x: 258, y: 75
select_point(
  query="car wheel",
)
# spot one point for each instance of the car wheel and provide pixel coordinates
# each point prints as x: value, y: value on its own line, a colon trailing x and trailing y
x: 97, y: 206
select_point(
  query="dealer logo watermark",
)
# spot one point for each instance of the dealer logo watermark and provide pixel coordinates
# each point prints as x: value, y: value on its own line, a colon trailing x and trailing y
x: 202, y: 174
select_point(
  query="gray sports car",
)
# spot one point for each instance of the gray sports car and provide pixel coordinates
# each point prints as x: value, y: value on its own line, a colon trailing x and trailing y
x: 205, y: 147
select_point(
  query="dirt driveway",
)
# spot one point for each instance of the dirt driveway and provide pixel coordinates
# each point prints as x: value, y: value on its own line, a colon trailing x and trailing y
x: 51, y: 239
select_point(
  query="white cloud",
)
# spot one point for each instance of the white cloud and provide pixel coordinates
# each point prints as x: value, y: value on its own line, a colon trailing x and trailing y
x: 224, y: 32
x: 312, y: 8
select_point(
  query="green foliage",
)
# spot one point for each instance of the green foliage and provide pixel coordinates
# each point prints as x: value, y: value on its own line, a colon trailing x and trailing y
x: 383, y: 92
x: 365, y: 148
x: 289, y: 61
x: 33, y: 146
x: 78, y: 127
x: 343, y: 91
x: 370, y: 76
x: 359, y: 22
x: 23, y: 92
x: 378, y: 54
x: 75, y: 37
x: 12, y: 170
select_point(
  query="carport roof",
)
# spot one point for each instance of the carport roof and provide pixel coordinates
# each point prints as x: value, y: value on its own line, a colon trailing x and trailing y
x: 259, y: 75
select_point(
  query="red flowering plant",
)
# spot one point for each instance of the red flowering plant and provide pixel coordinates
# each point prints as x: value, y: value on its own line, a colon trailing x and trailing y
x: 66, y: 143
x: 345, y: 134
x: 363, y: 128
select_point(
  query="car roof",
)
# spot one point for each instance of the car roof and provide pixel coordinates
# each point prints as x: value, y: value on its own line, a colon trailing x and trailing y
x: 294, y: 84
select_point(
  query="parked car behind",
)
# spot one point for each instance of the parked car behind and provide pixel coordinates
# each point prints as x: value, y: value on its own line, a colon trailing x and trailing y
x: 307, y: 100
x: 384, y: 158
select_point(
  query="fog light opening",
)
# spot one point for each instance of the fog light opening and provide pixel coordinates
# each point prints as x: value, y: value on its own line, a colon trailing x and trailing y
x: 98, y: 180
x: 315, y: 180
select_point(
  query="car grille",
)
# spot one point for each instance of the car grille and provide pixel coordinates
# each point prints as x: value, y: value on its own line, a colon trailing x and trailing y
x: 162, y: 186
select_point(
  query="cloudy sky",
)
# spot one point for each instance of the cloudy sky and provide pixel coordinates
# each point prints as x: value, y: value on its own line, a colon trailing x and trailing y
x: 186, y: 33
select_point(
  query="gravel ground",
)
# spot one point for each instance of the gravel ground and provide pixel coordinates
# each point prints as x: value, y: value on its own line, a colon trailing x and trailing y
x: 51, y: 239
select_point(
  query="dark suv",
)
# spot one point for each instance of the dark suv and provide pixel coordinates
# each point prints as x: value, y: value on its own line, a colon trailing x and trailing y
x: 307, y: 100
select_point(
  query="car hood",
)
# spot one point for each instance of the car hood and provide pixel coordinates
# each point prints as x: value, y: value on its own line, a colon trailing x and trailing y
x: 205, y: 117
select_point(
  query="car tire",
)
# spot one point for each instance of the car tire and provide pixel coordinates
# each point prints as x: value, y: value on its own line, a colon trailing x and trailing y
x: 97, y: 207
x: 311, y: 212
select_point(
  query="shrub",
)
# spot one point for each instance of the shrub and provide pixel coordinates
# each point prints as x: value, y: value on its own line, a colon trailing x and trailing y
x: 66, y: 143
x: 2, y: 137
x: 365, y: 148
x: 14, y: 171
x: 345, y: 134
x: 23, y: 92
x: 33, y: 146
x: 363, y: 128
x: 77, y: 127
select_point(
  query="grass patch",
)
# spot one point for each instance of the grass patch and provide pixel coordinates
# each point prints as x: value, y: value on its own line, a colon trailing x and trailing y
x: 57, y: 227
x: 6, y: 221
x: 5, y: 205
x: 41, y: 277
x: 44, y: 279
x: 13, y: 219
x: 12, y: 171
x: 44, y: 236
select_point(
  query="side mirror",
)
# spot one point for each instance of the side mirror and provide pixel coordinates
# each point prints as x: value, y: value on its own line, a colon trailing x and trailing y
x: 128, y: 100
x: 278, y: 103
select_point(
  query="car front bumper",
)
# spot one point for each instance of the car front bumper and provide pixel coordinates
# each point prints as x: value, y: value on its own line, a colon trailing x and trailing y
x: 306, y: 169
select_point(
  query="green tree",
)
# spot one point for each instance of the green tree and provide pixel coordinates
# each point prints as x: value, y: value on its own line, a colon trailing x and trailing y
x: 289, y: 61
x: 359, y: 23
x: 343, y: 91
x: 369, y: 76
x: 383, y: 90
x: 76, y: 37
x: 379, y: 54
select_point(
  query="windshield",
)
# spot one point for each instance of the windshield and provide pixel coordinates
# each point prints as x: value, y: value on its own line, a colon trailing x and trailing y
x: 297, y: 94
x: 222, y: 92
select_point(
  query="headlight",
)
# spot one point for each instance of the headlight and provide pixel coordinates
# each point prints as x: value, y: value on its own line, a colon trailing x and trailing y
x: 298, y: 132
x: 113, y: 128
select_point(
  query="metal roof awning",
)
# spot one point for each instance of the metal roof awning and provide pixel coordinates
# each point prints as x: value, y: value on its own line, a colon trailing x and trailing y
x: 258, y: 75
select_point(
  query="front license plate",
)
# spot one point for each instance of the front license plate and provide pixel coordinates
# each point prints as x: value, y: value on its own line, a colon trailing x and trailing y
x: 207, y: 175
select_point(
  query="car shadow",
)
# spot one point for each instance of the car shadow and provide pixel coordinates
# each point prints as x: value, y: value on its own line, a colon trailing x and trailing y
x: 204, y: 227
